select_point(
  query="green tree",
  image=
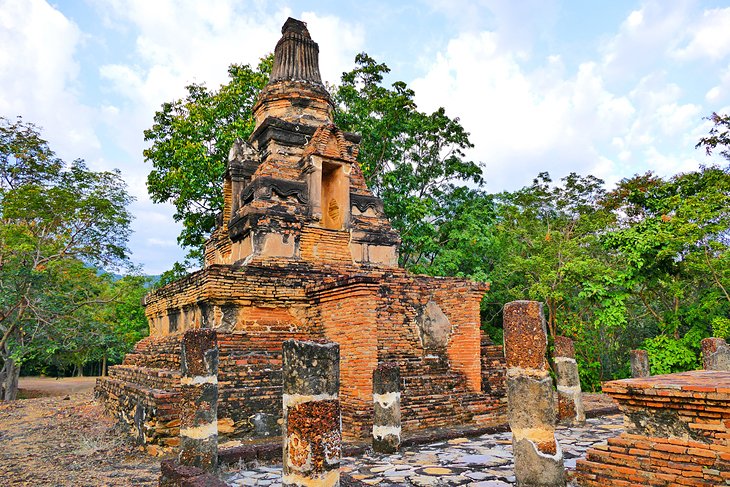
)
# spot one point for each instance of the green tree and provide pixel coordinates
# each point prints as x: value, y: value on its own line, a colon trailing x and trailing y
x: 55, y: 218
x: 413, y: 160
x: 544, y: 245
x: 718, y: 136
x: 673, y: 245
x: 190, y: 140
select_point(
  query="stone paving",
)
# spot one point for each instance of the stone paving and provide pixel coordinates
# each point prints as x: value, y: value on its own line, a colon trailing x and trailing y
x: 484, y: 461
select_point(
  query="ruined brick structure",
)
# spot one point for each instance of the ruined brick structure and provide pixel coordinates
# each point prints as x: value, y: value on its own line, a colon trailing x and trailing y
x: 303, y: 251
x: 677, y: 432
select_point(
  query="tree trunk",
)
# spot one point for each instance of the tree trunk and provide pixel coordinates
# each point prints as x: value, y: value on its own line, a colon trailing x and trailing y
x: 9, y: 384
x: 103, y: 366
x: 80, y: 370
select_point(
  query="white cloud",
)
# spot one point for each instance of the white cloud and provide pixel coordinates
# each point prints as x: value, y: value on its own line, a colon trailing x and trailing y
x: 523, y: 121
x: 645, y: 40
x: 709, y: 37
x: 528, y: 119
x: 38, y: 74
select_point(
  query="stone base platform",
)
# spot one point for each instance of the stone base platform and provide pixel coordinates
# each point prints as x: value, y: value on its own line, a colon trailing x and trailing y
x: 677, y: 430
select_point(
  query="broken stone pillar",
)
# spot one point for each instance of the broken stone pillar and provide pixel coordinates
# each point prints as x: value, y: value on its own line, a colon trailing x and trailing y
x: 312, y: 425
x: 570, y: 400
x: 386, y: 408
x: 715, y: 354
x: 639, y: 364
x: 530, y: 397
x: 199, y: 399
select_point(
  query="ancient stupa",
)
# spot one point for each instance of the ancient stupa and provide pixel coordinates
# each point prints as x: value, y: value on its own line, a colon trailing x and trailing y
x: 303, y: 250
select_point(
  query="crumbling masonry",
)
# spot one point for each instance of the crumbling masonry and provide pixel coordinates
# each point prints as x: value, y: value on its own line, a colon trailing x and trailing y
x: 304, y: 251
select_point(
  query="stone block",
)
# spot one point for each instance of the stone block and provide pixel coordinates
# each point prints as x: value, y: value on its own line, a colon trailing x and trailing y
x: 525, y: 336
x: 639, y: 363
x: 715, y: 354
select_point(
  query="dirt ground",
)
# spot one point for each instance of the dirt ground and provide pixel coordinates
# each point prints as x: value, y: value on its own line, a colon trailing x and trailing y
x: 49, y: 386
x: 65, y: 440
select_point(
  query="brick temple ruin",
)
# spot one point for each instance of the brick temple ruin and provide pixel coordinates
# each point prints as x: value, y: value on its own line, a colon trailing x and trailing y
x: 303, y: 250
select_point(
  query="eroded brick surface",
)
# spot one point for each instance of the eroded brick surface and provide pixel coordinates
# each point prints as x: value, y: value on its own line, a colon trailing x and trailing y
x: 678, y: 426
x: 525, y: 338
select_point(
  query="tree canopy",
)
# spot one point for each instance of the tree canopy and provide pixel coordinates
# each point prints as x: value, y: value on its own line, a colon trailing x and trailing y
x: 59, y: 222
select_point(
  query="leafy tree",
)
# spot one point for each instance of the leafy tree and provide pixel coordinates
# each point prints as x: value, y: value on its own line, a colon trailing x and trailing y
x: 719, y: 135
x: 55, y: 220
x: 414, y: 161
x: 673, y: 245
x: 190, y: 140
x: 550, y: 230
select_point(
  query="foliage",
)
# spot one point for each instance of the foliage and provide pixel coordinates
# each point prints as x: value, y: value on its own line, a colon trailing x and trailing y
x: 668, y: 354
x: 721, y: 327
x: 190, y: 140
x: 674, y: 246
x: 413, y: 160
x: 719, y: 135
x: 550, y: 231
x: 56, y: 221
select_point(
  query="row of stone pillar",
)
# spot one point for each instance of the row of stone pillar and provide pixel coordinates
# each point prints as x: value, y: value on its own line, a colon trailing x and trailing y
x: 312, y: 432
x: 715, y: 356
x: 312, y: 415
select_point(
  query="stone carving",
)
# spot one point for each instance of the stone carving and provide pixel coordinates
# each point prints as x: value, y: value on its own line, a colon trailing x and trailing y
x: 434, y: 327
x: 296, y: 56
x: 334, y: 211
x: 264, y: 188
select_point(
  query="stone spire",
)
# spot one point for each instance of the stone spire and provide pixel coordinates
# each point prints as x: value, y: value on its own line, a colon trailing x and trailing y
x: 295, y: 92
x: 296, y: 57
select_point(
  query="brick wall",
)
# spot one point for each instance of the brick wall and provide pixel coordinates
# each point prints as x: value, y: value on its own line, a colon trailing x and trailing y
x: 677, y: 430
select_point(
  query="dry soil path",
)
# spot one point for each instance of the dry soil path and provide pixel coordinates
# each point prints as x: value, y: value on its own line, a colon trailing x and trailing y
x: 66, y: 441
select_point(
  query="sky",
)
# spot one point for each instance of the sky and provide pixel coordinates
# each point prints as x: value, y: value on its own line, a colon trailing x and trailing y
x: 608, y: 88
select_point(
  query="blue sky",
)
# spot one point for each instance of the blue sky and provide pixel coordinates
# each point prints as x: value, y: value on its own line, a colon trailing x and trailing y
x: 604, y: 88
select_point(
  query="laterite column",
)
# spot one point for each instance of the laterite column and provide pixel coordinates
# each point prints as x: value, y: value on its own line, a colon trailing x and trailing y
x: 570, y: 401
x: 386, y: 408
x: 715, y: 354
x: 199, y: 405
x: 312, y: 425
x: 530, y: 397
x: 639, y: 363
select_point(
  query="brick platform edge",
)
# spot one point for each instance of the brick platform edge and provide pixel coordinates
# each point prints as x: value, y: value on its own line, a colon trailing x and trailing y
x: 678, y: 427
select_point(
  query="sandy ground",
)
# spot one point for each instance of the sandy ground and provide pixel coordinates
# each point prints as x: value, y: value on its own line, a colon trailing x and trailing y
x: 48, y: 386
x: 65, y: 440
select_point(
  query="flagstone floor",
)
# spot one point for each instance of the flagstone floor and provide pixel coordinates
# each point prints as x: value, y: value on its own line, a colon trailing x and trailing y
x: 484, y: 461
